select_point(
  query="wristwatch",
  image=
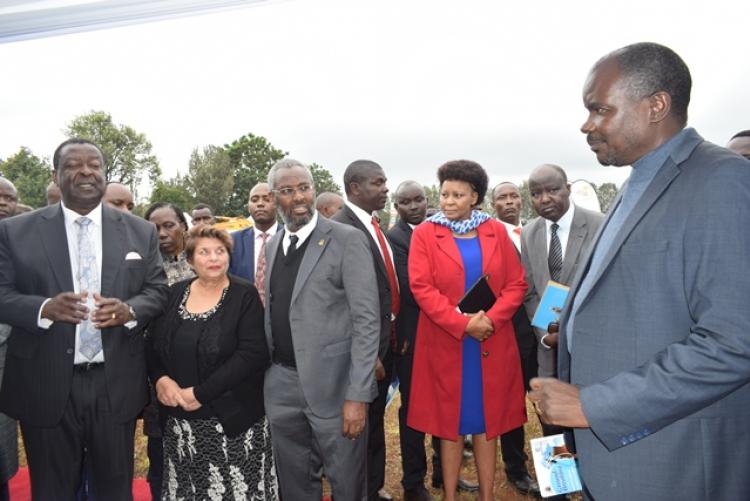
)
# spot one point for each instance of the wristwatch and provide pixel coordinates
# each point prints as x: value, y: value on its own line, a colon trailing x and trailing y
x: 132, y: 313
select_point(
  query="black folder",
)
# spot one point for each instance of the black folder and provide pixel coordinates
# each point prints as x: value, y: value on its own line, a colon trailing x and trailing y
x: 478, y: 297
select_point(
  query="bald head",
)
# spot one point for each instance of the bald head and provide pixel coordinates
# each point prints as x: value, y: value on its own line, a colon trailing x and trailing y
x: 329, y: 204
x: 262, y: 206
x: 118, y: 196
x: 410, y: 201
x: 740, y: 143
x: 8, y: 198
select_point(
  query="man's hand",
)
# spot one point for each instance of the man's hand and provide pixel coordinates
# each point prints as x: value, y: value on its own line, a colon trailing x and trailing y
x: 480, y: 326
x: 191, y: 403
x: 110, y: 312
x: 67, y: 307
x: 169, y: 392
x: 379, y: 370
x: 551, y: 340
x: 558, y: 403
x: 354, y: 414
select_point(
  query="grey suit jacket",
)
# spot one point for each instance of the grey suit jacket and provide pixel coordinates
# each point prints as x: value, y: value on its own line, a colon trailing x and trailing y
x: 34, y: 266
x: 660, y: 344
x: 334, y: 317
x: 534, y: 257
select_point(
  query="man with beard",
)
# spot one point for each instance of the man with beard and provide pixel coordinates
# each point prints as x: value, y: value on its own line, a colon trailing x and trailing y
x: 656, y: 331
x: 507, y: 202
x: 322, y: 328
x: 248, y: 254
x: 78, y: 282
x: 367, y: 193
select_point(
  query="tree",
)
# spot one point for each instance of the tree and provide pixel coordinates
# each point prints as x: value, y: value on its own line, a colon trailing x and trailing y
x: 250, y: 157
x: 606, y: 193
x: 527, y: 210
x: 323, y: 180
x: 30, y: 174
x: 433, y: 196
x: 210, y: 178
x: 176, y: 191
x: 127, y: 153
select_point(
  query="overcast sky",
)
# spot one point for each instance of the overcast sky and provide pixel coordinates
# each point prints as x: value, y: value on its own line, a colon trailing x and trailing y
x: 409, y: 84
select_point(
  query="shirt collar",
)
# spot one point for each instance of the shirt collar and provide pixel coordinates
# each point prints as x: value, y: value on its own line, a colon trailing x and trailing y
x: 361, y: 214
x: 512, y: 227
x: 303, y: 232
x: 270, y: 231
x: 646, y: 167
x: 564, y: 222
x: 71, y: 216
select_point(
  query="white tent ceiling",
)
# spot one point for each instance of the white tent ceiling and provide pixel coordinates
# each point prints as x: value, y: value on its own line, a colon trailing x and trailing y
x: 27, y: 19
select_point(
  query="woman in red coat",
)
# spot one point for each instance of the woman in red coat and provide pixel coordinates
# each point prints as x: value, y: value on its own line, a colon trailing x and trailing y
x: 466, y: 376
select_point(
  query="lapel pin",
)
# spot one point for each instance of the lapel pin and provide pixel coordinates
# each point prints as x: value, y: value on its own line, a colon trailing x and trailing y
x: 321, y: 242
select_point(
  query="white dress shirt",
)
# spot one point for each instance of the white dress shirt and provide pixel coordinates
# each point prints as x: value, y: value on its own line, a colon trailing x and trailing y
x: 302, y: 233
x: 564, y: 223
x: 71, y: 232
x: 258, y: 242
x: 514, y: 235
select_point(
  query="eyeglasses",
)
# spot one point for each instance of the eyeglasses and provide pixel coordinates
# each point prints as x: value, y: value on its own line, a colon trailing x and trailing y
x: 288, y: 191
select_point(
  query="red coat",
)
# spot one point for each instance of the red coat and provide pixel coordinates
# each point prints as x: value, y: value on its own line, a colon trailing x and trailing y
x: 436, y: 277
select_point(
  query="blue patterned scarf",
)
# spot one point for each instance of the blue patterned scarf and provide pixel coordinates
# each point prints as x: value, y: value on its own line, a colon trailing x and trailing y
x: 460, y: 227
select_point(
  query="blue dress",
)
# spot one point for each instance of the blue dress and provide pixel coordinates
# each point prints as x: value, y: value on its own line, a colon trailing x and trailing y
x: 471, y: 421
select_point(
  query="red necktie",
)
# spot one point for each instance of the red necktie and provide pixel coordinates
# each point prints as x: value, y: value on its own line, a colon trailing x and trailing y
x: 260, y: 270
x: 392, y: 281
x: 517, y: 231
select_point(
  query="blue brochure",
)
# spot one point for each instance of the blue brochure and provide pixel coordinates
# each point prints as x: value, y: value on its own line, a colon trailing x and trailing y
x: 551, y: 305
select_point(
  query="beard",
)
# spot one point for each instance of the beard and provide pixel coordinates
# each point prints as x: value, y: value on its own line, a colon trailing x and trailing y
x: 294, y: 222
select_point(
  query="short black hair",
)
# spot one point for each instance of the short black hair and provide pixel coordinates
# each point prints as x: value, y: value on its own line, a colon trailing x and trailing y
x: 467, y: 171
x: 650, y: 68
x: 73, y: 140
x: 170, y: 205
x: 503, y: 183
x: 357, y: 172
x: 742, y: 133
x: 203, y: 206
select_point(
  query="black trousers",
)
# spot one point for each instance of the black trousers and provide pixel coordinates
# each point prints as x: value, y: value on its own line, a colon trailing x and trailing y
x: 512, y: 443
x: 413, y: 456
x: 376, y: 433
x: 55, y: 454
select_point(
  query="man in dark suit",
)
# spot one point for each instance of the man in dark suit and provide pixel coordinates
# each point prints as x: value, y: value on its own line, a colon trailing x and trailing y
x: 655, y: 335
x: 249, y: 244
x: 367, y: 193
x: 322, y: 328
x: 411, y: 205
x: 507, y: 202
x: 78, y: 281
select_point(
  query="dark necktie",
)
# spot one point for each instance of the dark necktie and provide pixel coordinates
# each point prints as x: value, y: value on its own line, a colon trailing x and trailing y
x: 260, y: 270
x: 293, y: 239
x: 555, y: 259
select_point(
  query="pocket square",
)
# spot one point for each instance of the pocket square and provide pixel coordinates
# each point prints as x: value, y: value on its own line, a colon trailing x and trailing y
x: 132, y: 255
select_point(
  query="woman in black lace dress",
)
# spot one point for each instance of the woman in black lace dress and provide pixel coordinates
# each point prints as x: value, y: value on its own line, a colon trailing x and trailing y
x: 207, y: 356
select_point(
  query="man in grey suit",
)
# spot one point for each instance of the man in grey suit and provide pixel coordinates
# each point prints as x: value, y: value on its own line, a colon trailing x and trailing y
x: 561, y: 227
x: 323, y: 331
x: 656, y: 332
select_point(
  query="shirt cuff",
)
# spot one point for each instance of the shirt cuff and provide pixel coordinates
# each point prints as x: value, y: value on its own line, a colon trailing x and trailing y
x: 132, y: 324
x: 43, y: 323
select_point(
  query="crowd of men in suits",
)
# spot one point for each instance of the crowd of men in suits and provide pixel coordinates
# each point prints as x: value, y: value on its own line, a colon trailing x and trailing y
x: 656, y: 364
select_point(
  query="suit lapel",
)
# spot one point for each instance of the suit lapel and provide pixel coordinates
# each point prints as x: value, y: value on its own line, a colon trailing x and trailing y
x: 113, y: 249
x: 374, y: 246
x: 488, y: 244
x: 317, y: 242
x: 249, y: 245
x: 55, y: 242
x: 576, y: 237
x: 655, y: 190
x: 539, y: 246
x: 272, y: 248
x: 447, y: 245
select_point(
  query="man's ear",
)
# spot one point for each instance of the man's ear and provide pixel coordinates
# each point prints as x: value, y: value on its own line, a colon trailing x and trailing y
x: 660, y: 104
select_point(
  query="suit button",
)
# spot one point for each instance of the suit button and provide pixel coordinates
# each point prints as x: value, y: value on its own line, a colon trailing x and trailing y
x: 485, y: 353
x: 69, y: 351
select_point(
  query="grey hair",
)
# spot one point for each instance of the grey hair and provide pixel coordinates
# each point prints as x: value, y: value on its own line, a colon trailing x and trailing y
x: 286, y: 163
